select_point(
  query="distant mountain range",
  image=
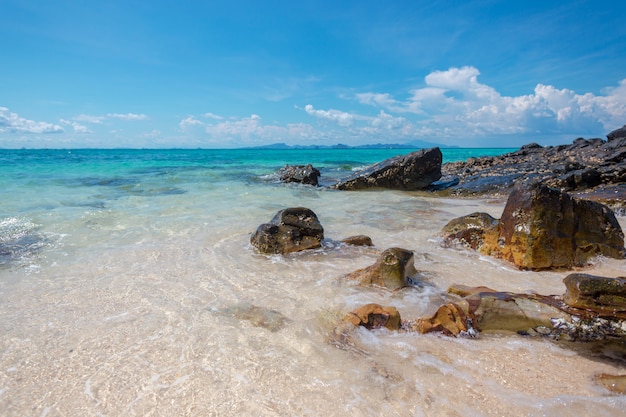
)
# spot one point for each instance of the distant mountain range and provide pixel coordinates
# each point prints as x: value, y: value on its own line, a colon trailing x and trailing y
x: 409, y: 145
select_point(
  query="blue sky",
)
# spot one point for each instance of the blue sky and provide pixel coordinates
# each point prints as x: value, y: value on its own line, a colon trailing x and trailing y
x: 246, y: 73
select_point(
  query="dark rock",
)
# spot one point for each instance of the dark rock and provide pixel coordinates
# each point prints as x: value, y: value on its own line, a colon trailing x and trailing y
x: 375, y: 316
x: 358, y: 240
x: 614, y: 383
x: 617, y: 134
x: 303, y: 174
x: 584, y: 165
x: 291, y: 230
x: 469, y: 229
x: 600, y: 294
x: 414, y: 171
x: 392, y: 270
x: 544, y: 228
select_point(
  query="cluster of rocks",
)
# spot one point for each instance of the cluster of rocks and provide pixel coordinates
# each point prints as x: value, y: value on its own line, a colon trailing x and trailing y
x: 542, y: 227
x: 595, y: 169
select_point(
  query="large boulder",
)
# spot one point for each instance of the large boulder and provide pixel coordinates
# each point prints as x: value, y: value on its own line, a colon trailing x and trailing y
x: 303, y: 174
x: 291, y: 230
x: 393, y: 270
x: 414, y: 171
x: 599, y: 294
x: 543, y: 228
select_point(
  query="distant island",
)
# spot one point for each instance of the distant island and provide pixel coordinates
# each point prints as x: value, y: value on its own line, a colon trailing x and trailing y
x: 408, y: 145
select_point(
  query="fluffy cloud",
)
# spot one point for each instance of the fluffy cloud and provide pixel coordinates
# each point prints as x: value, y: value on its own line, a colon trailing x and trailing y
x: 454, y: 102
x: 11, y: 122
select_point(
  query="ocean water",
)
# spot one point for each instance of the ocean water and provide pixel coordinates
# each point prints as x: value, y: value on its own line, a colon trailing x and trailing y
x: 128, y: 287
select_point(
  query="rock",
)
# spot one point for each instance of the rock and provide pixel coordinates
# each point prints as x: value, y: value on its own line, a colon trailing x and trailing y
x: 600, y: 294
x: 269, y: 319
x: 375, y: 316
x: 450, y: 319
x: 392, y: 270
x: 617, y: 134
x: 358, y: 240
x: 303, y: 174
x: 614, y: 383
x: 414, y: 171
x: 291, y: 230
x: 469, y: 229
x: 504, y: 311
x: 583, y: 166
x: 464, y: 290
x: 543, y: 228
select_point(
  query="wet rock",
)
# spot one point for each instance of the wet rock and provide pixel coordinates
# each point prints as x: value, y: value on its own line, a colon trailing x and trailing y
x: 584, y: 165
x: 303, y: 174
x: 614, y: 383
x: 266, y: 318
x: 469, y: 229
x: 392, y: 270
x: 600, y: 294
x: 543, y: 228
x: 464, y: 290
x: 450, y: 319
x: 291, y: 230
x: 414, y: 171
x: 358, y: 240
x: 375, y: 316
x: 504, y: 311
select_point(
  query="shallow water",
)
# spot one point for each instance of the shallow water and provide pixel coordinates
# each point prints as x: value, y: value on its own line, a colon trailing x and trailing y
x: 123, y: 298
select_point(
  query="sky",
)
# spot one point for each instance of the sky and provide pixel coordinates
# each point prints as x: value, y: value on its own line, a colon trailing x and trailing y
x: 202, y: 74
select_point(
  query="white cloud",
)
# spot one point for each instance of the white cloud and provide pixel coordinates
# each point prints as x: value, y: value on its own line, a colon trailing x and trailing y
x: 78, y: 128
x: 454, y: 102
x: 128, y: 116
x: 11, y: 122
x: 341, y: 118
x: 213, y: 116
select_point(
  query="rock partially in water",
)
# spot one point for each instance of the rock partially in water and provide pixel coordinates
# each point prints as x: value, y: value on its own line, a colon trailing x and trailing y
x: 543, y: 228
x: 358, y: 240
x: 450, y: 319
x: 375, y: 316
x: 266, y: 318
x: 414, y: 171
x: 302, y: 174
x: 469, y: 229
x: 392, y: 270
x: 614, y: 383
x: 601, y: 294
x: 291, y: 230
x: 584, y: 165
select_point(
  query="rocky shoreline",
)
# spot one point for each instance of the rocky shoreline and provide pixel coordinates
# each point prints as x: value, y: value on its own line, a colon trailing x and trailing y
x: 559, y: 215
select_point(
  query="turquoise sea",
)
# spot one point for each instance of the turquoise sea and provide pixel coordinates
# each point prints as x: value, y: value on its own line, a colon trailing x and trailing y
x: 127, y: 283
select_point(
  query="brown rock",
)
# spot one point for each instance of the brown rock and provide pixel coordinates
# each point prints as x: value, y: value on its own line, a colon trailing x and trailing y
x: 469, y: 229
x: 544, y: 228
x: 358, y: 240
x: 449, y: 319
x: 600, y: 294
x: 614, y: 383
x: 291, y: 230
x: 375, y: 316
x: 503, y: 311
x: 464, y: 290
x: 391, y: 270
